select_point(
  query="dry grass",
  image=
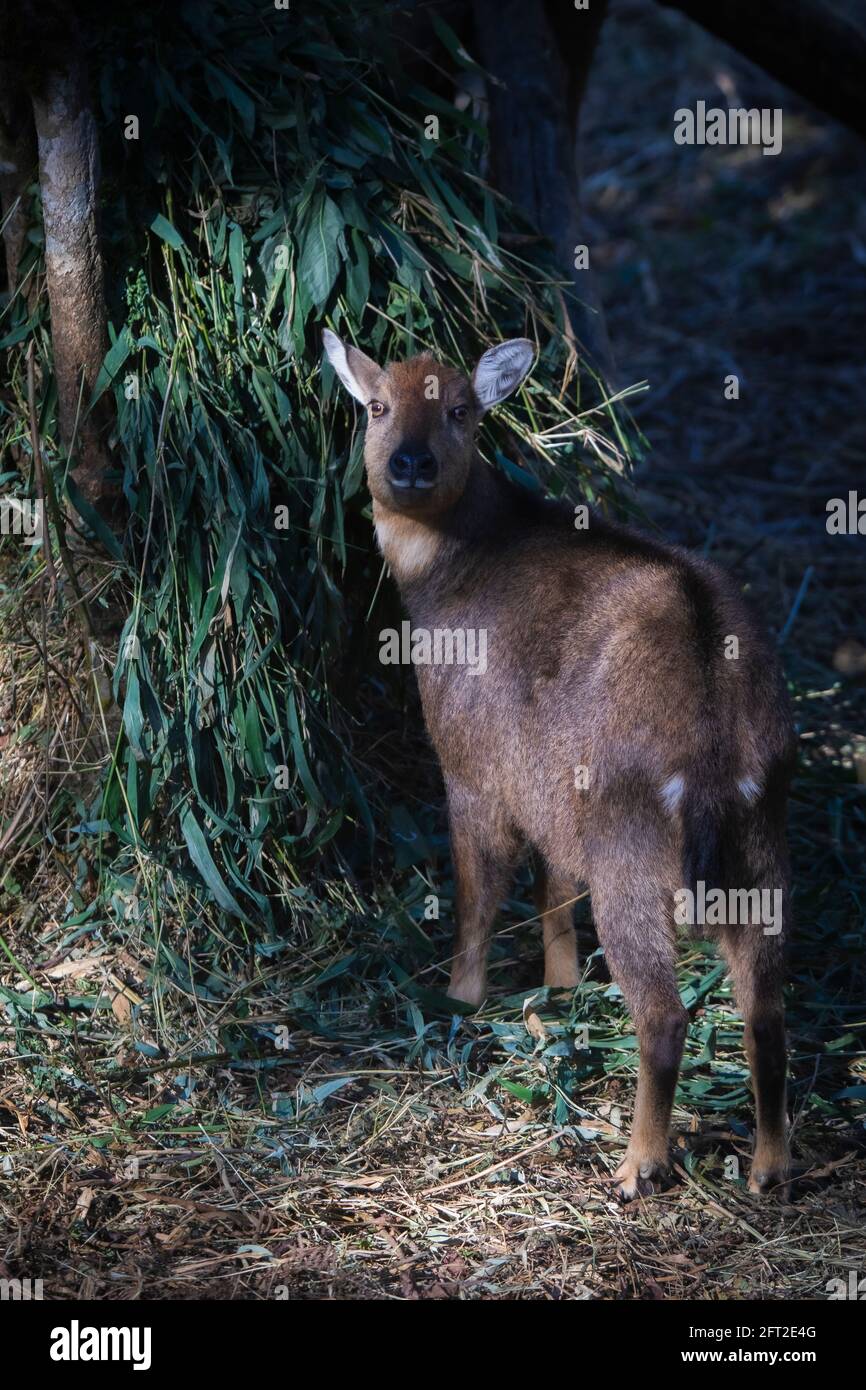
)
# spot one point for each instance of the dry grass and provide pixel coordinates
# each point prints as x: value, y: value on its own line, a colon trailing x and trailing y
x: 399, y: 1186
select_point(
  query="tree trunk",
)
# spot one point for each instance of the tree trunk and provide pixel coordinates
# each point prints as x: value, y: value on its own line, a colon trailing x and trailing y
x: 17, y: 168
x: 540, y: 57
x: 807, y: 44
x: 69, y: 175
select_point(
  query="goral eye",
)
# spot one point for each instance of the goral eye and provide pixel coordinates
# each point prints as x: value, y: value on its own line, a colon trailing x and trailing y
x: 376, y: 409
x: 459, y: 413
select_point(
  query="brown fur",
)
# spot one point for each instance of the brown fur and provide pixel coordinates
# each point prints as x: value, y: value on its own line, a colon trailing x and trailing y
x: 605, y: 651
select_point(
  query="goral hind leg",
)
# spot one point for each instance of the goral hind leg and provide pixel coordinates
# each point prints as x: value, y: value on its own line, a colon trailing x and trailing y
x: 633, y: 878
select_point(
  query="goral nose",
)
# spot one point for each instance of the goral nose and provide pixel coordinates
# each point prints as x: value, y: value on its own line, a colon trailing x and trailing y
x: 412, y: 468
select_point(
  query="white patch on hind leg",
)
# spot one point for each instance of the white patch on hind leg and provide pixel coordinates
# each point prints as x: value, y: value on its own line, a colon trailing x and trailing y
x: 672, y: 792
x: 748, y: 788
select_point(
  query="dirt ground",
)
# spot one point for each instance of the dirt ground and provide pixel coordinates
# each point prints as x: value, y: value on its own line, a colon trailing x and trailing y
x: 380, y: 1154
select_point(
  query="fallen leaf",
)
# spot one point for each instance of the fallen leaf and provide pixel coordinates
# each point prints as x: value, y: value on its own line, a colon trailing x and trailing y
x: 122, y: 1009
x: 532, y: 1023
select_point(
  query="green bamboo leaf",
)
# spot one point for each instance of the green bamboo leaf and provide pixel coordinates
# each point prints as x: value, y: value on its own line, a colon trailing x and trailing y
x: 217, y: 591
x: 328, y: 1088
x: 114, y: 360
x: 93, y: 519
x: 320, y: 236
x: 237, y: 261
x: 203, y: 861
x: 300, y: 756
x: 164, y: 229
x: 133, y: 719
x: 253, y: 740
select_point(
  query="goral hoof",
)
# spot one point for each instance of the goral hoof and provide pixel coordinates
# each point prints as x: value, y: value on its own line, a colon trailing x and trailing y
x: 634, y: 1177
x: 770, y: 1177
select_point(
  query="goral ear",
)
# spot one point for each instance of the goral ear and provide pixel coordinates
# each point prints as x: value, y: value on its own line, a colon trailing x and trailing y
x: 358, y: 372
x: 500, y: 371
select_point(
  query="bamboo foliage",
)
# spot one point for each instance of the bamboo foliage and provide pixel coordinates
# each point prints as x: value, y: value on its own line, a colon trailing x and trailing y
x: 282, y: 180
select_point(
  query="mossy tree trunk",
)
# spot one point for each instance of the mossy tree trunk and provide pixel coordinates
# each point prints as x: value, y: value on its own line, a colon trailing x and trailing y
x: 69, y: 177
x: 539, y: 52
